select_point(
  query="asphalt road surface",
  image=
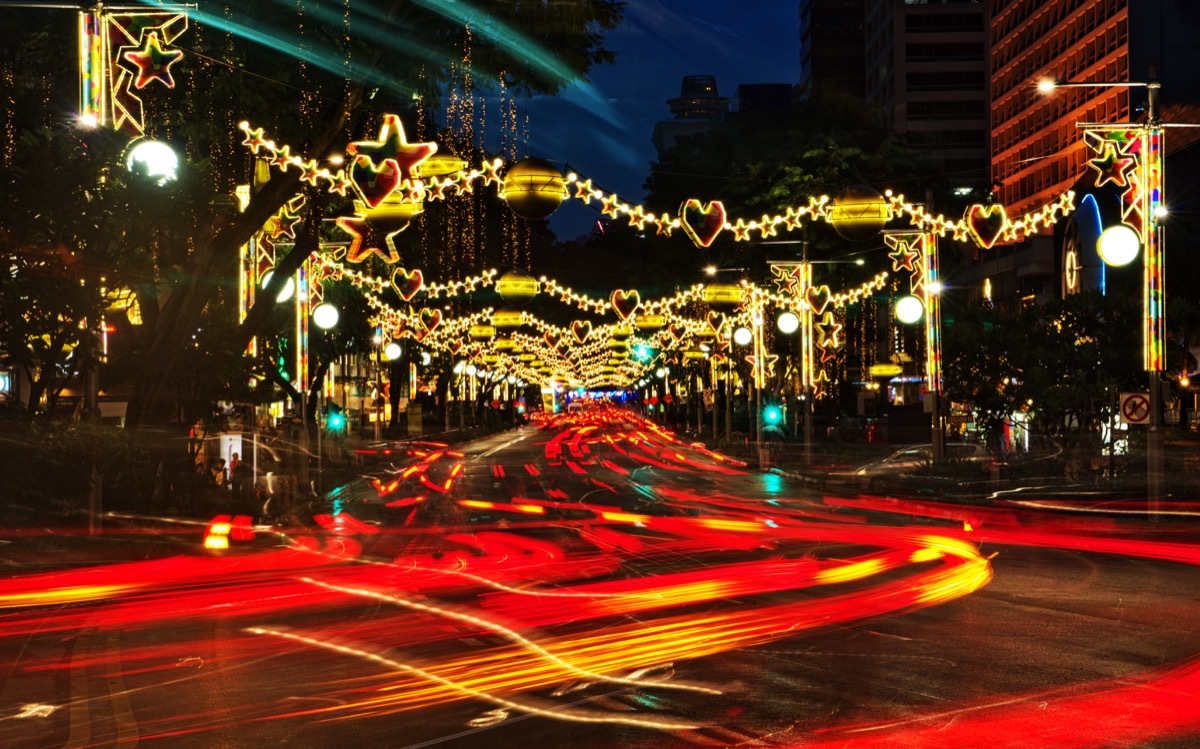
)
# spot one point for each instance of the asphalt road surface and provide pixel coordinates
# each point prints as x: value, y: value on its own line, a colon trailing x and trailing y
x: 593, y: 582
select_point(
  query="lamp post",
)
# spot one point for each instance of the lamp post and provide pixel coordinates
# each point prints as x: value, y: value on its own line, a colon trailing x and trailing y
x: 325, y: 317
x: 1142, y: 211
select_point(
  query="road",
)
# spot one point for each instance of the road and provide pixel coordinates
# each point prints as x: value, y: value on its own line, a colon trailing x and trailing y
x: 597, y: 583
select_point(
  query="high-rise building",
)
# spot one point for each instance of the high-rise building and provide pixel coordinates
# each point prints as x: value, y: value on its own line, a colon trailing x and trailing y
x: 1037, y: 149
x: 927, y: 72
x: 831, y: 47
x: 697, y: 107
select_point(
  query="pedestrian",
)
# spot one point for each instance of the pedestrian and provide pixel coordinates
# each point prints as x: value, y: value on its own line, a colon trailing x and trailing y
x: 234, y: 463
x: 220, y: 477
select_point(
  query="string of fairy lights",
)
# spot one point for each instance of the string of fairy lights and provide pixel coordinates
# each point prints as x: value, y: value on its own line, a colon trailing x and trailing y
x: 391, y: 179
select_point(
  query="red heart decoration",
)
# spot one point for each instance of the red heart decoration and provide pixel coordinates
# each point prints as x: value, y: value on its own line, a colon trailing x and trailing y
x: 985, y: 224
x: 702, y: 222
x: 550, y: 338
x: 677, y: 332
x: 714, y: 321
x: 581, y: 329
x: 374, y: 183
x: 455, y: 348
x: 431, y: 318
x: 818, y: 298
x: 407, y: 284
x: 625, y: 303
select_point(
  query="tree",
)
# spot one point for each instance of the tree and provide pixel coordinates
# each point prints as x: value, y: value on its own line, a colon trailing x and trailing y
x: 315, y: 83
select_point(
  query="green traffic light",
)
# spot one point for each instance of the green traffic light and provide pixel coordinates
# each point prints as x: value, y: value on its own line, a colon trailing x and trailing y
x: 772, y: 415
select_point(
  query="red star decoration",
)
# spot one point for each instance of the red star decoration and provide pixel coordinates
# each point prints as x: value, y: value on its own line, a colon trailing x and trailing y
x: 283, y: 158
x: 254, y: 139
x: 491, y: 172
x: 310, y: 172
x: 364, y: 240
x: 665, y: 225
x: 741, y: 231
x: 903, y: 256
x: 639, y: 218
x: 766, y: 225
x: 392, y: 144
x: 153, y: 62
x: 791, y: 219
x: 583, y: 191
x: 283, y: 224
x: 340, y: 182
x: 1112, y: 165
x: 828, y: 353
x: 611, y: 205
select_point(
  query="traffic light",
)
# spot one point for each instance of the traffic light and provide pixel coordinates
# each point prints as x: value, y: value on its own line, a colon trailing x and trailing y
x: 772, y: 416
x: 335, y: 420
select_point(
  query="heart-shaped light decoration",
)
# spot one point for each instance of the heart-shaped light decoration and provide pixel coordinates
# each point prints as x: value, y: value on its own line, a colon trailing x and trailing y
x: 985, y: 224
x: 407, y: 284
x: 702, y: 222
x: 456, y: 347
x: 625, y: 303
x: 818, y: 298
x: 714, y: 321
x: 581, y: 329
x: 550, y: 338
x: 677, y: 332
x: 374, y: 183
x: 431, y: 318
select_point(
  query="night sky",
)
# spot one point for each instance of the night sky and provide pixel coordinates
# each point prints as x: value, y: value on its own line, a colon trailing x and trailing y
x: 604, y: 133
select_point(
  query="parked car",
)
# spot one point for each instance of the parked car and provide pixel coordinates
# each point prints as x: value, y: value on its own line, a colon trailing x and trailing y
x: 908, y: 459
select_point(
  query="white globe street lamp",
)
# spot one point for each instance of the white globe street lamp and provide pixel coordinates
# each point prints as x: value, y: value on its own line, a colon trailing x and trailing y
x: 155, y: 160
x: 325, y: 316
x: 1118, y: 245
x: 742, y: 336
x: 391, y: 352
x: 286, y: 293
x: 788, y: 323
x: 909, y: 310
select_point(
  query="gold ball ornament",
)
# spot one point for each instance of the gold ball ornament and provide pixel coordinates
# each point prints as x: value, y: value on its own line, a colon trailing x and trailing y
x: 858, y: 213
x: 516, y: 287
x: 533, y: 189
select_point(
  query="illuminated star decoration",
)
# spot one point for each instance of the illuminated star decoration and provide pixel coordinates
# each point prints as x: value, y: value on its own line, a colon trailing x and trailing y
x: 153, y: 62
x: 1112, y: 165
x: 364, y: 240
x: 787, y: 277
x: 767, y: 369
x: 393, y: 145
x: 903, y: 257
x: 827, y: 331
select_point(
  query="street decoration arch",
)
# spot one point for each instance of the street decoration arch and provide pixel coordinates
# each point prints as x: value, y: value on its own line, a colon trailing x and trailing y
x: 390, y: 180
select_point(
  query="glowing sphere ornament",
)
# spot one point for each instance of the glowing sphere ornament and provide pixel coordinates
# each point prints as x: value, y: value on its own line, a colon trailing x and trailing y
x: 155, y: 161
x: 325, y: 315
x: 858, y: 213
x: 909, y: 310
x: 533, y: 189
x: 743, y: 336
x: 517, y: 287
x: 1118, y: 245
x: 392, y: 351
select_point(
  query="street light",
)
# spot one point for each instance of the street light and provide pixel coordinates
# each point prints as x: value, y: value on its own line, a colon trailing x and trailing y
x: 1143, y: 215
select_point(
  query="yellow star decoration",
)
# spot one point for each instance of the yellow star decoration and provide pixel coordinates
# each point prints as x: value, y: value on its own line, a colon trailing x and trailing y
x: 827, y: 331
x: 791, y: 218
x: 741, y: 231
x: 438, y: 187
x: 153, y: 62
x: 465, y: 186
x: 283, y: 158
x: 340, y: 183
x: 639, y: 218
x: 767, y: 226
x: 393, y: 144
x: 310, y: 172
x: 903, y: 257
x: 254, y: 139
x: 361, y: 233
x: 665, y: 224
x: 583, y: 191
x: 611, y: 205
x: 1112, y: 165
x: 491, y: 172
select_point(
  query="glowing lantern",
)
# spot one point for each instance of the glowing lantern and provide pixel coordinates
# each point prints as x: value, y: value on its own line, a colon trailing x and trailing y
x: 693, y: 354
x: 517, y: 287
x: 505, y: 344
x: 859, y: 213
x: 616, y: 344
x: 491, y: 358
x: 526, y: 358
x: 506, y: 320
x: 723, y: 297
x: 649, y: 322
x: 481, y: 332
x: 909, y: 310
x: 621, y: 334
x: 533, y: 189
x: 1118, y: 245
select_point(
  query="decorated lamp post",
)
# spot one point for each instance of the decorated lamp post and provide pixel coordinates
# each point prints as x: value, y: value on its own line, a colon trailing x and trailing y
x: 917, y: 252
x: 1130, y: 157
